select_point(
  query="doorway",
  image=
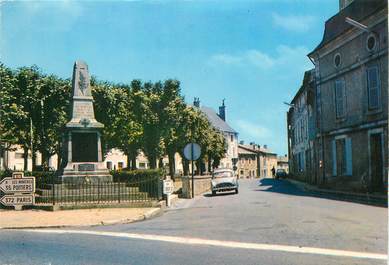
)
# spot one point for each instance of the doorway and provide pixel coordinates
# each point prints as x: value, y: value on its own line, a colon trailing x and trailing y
x: 376, y: 162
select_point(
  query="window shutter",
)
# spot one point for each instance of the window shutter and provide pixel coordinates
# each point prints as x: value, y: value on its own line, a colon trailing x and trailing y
x: 373, y: 87
x: 334, y: 158
x: 349, y: 157
x: 340, y: 94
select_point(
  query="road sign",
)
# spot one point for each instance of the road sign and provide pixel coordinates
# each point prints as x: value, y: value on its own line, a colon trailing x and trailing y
x: 18, y: 185
x: 192, y: 151
x: 168, y: 187
x: 16, y: 200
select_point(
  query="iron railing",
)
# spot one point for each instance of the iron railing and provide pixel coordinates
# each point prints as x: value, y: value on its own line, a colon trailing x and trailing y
x: 135, y: 190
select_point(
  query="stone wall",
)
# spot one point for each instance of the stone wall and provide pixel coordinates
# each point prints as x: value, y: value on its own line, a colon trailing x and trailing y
x: 201, y: 184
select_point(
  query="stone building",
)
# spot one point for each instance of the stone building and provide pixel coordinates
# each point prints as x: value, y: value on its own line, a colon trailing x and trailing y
x: 302, y: 131
x: 255, y: 161
x: 248, y: 164
x: 283, y: 163
x: 218, y: 121
x: 351, y: 73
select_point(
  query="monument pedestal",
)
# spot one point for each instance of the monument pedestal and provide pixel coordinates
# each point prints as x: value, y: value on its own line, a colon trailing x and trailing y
x: 83, y: 154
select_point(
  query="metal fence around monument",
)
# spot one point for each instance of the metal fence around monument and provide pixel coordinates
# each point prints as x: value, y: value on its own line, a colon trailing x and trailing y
x: 135, y: 190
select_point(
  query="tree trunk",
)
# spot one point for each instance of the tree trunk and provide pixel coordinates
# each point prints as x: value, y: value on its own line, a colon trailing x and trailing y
x: 59, y: 162
x: 133, y: 162
x: 153, y: 162
x: 185, y: 164
x: 128, y: 161
x: 25, y: 158
x: 160, y: 163
x: 172, y: 165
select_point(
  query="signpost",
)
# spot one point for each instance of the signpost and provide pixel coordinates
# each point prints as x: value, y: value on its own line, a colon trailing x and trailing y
x: 192, y: 152
x: 17, y: 200
x: 22, y: 190
x: 168, y: 188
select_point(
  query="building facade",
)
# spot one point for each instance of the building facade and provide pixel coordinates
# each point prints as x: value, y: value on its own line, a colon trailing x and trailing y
x: 283, y: 163
x: 301, y: 122
x: 351, y: 73
x: 248, y: 164
x: 218, y: 121
x: 256, y: 161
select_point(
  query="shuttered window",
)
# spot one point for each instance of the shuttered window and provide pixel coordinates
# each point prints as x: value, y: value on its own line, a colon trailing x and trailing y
x: 373, y: 87
x: 342, y: 161
x: 340, y: 99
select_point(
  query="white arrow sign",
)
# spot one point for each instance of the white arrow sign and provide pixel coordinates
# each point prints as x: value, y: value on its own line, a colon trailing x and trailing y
x: 20, y: 185
x: 15, y: 200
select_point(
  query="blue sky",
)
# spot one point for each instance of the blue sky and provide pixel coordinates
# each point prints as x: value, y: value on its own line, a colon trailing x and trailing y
x: 252, y: 53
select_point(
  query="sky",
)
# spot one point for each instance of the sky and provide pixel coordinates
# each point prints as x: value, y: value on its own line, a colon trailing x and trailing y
x: 250, y: 53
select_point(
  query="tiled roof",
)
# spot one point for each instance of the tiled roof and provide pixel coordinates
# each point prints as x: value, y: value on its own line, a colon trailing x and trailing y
x: 357, y: 10
x: 216, y: 121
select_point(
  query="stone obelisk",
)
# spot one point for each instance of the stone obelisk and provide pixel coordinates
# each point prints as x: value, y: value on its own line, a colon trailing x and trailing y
x: 83, y: 154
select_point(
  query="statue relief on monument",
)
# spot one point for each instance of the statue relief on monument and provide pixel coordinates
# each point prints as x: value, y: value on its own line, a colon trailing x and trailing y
x: 84, y: 160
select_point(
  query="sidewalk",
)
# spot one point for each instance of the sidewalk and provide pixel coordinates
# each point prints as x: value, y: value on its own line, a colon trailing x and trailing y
x: 377, y: 200
x: 83, y: 217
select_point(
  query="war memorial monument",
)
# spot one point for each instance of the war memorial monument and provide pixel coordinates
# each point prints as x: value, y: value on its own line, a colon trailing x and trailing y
x: 83, y: 159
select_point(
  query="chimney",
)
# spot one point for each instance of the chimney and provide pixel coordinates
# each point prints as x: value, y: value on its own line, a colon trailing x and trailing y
x: 265, y: 146
x: 222, y: 111
x: 241, y: 142
x: 344, y: 3
x: 196, y: 102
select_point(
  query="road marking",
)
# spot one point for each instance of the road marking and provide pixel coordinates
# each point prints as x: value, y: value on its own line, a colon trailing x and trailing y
x: 219, y: 243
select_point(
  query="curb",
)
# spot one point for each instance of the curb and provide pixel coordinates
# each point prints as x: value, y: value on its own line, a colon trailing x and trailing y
x: 341, y: 195
x: 148, y: 215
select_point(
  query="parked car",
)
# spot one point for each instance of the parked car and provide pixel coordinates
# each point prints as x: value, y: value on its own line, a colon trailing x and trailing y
x: 281, y: 173
x: 224, y: 180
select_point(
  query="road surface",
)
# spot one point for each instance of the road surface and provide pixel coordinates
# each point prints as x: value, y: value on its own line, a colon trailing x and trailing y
x: 268, y: 222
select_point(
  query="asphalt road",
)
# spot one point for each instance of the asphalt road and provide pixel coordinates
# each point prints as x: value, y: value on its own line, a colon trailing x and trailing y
x: 268, y: 222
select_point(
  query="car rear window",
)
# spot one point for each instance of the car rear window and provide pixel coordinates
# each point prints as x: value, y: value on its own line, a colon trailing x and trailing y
x: 224, y: 174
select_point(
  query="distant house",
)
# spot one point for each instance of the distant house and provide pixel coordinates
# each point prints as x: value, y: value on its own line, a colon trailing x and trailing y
x: 283, y: 163
x: 255, y: 161
x: 248, y: 165
x: 218, y: 121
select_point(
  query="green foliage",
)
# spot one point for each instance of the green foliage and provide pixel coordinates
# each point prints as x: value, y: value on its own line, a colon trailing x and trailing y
x: 135, y: 175
x: 148, y: 117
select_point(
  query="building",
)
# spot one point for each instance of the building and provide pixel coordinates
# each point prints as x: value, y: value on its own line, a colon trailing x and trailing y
x: 218, y: 121
x: 248, y: 163
x: 283, y: 163
x: 351, y: 73
x: 302, y: 131
x: 267, y: 161
x: 255, y: 161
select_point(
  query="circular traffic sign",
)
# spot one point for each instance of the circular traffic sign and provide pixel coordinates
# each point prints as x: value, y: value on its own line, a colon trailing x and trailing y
x: 192, y: 151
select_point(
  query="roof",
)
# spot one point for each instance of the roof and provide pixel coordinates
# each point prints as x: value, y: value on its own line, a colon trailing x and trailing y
x: 307, y: 78
x: 358, y: 10
x: 249, y: 150
x: 216, y: 121
x: 242, y: 149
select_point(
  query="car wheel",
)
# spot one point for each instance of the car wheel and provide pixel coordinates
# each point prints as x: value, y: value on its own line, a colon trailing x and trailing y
x: 213, y: 193
x: 236, y: 191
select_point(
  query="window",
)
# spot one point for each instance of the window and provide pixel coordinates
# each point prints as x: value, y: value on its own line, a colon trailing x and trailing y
x: 142, y: 165
x: 19, y: 155
x: 373, y: 87
x: 371, y: 42
x: 109, y: 165
x: 337, y: 60
x: 120, y: 165
x: 340, y: 99
x: 342, y: 156
x: 232, y: 138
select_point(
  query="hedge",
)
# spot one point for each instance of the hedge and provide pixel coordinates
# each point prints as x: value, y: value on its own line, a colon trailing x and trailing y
x: 129, y: 175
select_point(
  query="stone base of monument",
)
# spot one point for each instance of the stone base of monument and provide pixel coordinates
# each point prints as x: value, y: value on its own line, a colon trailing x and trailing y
x: 82, y: 173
